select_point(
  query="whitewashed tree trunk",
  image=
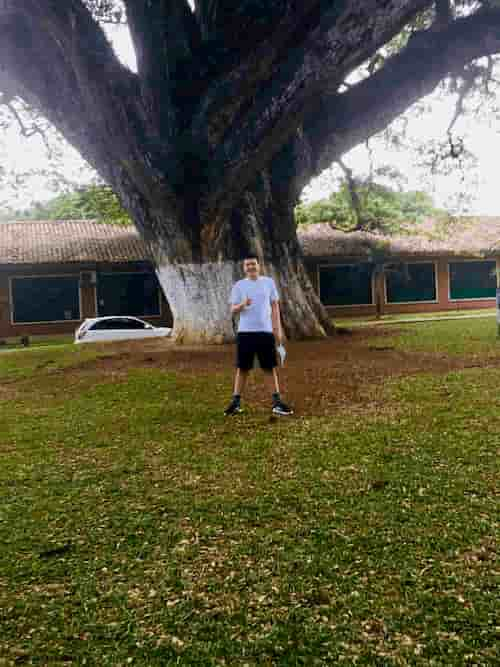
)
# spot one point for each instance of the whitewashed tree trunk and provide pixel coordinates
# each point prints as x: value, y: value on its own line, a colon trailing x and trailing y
x: 198, y: 295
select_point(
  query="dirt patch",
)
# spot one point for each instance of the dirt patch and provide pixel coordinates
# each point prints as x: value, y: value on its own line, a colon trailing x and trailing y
x: 7, y: 393
x: 320, y: 376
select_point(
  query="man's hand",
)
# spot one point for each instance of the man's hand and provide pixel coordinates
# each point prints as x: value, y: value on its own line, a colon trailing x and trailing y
x: 278, y: 336
x: 241, y: 306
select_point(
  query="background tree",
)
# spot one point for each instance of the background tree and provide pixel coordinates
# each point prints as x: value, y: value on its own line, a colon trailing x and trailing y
x: 97, y: 202
x: 232, y: 111
x: 380, y: 208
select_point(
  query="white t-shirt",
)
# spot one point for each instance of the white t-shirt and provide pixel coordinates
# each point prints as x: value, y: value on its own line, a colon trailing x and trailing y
x: 257, y: 316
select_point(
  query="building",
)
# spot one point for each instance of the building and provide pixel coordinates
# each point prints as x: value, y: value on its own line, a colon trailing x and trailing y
x: 54, y: 274
x: 362, y: 274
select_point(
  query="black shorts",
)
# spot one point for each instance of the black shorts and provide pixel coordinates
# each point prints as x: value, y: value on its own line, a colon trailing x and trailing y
x: 258, y: 343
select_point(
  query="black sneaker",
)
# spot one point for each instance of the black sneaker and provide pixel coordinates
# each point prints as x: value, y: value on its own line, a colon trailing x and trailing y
x: 233, y: 408
x: 280, y: 408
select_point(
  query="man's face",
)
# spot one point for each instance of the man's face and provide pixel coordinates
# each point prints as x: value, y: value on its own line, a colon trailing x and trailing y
x: 251, y: 268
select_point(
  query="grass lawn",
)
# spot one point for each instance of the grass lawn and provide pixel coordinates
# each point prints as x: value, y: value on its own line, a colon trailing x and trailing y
x: 417, y: 317
x: 34, y: 342
x: 138, y: 526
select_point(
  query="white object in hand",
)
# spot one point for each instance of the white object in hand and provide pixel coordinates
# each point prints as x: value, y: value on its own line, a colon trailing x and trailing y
x: 281, y: 353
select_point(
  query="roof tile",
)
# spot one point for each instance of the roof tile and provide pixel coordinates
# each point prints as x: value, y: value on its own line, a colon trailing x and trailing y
x: 467, y: 237
x: 63, y: 241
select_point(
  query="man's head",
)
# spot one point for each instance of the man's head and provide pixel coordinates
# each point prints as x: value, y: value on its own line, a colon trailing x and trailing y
x: 251, y: 267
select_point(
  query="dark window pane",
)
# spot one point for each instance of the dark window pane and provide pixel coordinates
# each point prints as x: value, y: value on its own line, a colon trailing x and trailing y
x: 410, y: 283
x: 128, y: 294
x: 473, y: 280
x: 346, y: 285
x: 51, y: 299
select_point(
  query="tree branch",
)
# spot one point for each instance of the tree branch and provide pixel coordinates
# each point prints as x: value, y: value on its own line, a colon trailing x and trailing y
x: 228, y: 93
x: 342, y: 121
x: 27, y: 131
x: 63, y: 65
x: 165, y: 34
x: 467, y: 84
x: 206, y: 13
x: 444, y: 14
x: 320, y: 63
x: 353, y: 194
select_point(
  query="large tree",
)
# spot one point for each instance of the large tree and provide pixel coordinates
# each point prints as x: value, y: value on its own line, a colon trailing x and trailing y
x: 234, y: 108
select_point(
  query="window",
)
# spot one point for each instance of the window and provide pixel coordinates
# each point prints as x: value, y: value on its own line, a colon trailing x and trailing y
x: 45, y: 299
x: 128, y: 294
x: 117, y: 323
x: 346, y: 285
x: 409, y: 283
x: 473, y: 280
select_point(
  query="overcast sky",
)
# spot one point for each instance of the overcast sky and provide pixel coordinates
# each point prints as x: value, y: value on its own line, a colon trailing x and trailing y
x: 482, y: 138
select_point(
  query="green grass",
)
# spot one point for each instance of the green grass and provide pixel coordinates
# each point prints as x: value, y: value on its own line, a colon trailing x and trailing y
x: 35, y: 342
x: 475, y: 337
x: 31, y: 362
x: 140, y: 527
x: 408, y: 317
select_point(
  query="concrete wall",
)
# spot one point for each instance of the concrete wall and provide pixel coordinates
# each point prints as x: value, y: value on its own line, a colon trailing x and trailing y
x: 442, y: 303
x: 88, y: 299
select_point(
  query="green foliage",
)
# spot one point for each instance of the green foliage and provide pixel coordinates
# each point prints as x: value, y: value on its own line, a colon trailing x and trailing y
x: 92, y: 202
x: 381, y: 209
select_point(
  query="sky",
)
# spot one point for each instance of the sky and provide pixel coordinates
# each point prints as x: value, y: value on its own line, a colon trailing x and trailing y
x: 480, y: 182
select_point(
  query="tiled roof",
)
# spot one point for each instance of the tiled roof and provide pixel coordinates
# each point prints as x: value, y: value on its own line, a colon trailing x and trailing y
x: 53, y: 242
x: 467, y: 237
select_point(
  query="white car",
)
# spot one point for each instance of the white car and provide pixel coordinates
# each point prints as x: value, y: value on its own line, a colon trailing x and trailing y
x: 103, y: 329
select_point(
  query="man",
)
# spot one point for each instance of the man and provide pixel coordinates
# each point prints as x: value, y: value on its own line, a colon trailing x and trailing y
x: 255, y: 299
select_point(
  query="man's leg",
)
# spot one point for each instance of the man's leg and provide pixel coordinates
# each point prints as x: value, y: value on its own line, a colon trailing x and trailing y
x: 269, y: 363
x: 244, y: 361
x: 272, y: 381
x: 240, y: 382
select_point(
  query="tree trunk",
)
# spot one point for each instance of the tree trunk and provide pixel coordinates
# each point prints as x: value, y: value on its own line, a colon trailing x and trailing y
x: 196, y: 273
x: 198, y: 295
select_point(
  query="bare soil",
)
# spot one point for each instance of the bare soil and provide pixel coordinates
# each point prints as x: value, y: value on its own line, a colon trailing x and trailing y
x: 319, y: 376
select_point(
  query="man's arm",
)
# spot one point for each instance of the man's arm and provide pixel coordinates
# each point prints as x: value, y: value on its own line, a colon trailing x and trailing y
x: 238, y: 303
x: 237, y: 308
x: 276, y: 320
